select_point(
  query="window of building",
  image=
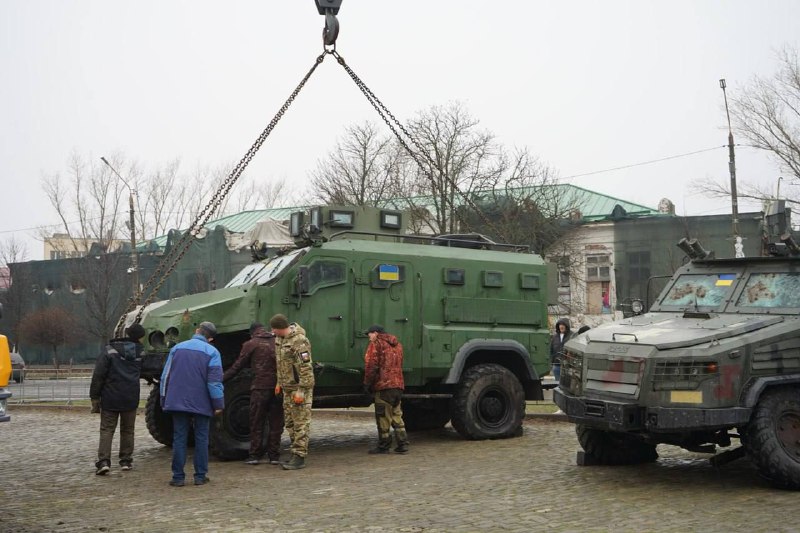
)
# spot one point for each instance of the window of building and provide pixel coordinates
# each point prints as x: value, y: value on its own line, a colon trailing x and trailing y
x: 598, y: 267
x: 638, y: 273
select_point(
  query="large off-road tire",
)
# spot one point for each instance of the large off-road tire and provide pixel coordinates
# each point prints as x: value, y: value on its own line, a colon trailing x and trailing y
x: 773, y: 437
x: 489, y: 403
x: 611, y: 448
x: 230, y: 431
x: 424, y: 415
x: 159, y: 423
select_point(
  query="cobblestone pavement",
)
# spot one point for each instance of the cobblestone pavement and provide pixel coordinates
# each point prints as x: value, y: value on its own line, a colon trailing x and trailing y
x: 531, y: 483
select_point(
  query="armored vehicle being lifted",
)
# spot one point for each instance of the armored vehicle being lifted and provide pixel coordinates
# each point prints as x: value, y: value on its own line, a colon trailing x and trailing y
x: 471, y: 314
x: 716, y: 358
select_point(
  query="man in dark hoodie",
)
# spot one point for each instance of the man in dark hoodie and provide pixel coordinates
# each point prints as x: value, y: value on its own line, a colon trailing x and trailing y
x: 560, y: 337
x: 259, y: 352
x: 115, y: 395
x: 383, y: 377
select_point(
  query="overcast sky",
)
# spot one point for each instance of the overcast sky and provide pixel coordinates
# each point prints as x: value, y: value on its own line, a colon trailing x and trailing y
x: 585, y: 85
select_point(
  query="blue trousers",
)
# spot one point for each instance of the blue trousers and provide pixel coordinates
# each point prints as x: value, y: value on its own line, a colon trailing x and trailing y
x: 180, y: 434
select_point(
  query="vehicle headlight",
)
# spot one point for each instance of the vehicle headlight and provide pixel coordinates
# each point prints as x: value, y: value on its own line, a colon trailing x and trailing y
x: 156, y: 340
x: 637, y: 306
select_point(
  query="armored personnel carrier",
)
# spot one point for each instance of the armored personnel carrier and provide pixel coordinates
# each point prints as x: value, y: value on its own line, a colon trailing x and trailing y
x: 716, y: 359
x: 471, y: 314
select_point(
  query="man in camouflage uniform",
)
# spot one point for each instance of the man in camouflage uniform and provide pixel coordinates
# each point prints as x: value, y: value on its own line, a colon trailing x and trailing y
x: 296, y: 382
x: 383, y: 377
x: 259, y: 354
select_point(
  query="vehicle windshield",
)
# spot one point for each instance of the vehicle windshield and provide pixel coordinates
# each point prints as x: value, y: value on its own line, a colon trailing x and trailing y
x: 699, y: 290
x: 266, y: 272
x: 771, y: 290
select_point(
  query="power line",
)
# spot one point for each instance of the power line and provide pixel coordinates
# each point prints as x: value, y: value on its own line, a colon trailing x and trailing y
x: 652, y: 161
x: 645, y: 162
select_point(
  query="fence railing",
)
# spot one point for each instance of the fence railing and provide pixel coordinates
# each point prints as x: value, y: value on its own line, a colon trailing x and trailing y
x: 62, y: 390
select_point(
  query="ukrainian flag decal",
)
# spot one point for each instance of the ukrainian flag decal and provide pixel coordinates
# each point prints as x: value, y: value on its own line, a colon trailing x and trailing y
x: 725, y: 280
x: 388, y: 273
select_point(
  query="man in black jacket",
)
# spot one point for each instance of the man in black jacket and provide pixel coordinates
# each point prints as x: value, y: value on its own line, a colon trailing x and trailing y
x: 115, y: 395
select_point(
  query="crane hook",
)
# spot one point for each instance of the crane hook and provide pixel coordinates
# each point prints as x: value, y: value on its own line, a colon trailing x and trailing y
x: 329, y: 8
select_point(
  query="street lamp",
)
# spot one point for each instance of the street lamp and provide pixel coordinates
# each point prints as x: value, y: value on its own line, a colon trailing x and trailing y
x: 134, y: 256
x: 731, y: 164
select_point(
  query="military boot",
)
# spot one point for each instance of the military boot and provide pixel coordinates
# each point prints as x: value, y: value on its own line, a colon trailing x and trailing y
x: 384, y: 446
x: 402, y: 441
x: 295, y: 463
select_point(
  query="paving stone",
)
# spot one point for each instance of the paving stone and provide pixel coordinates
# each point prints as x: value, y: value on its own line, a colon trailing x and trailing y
x: 531, y: 483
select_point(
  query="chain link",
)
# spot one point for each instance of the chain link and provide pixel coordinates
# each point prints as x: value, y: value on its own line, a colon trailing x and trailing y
x: 384, y: 113
x: 168, y: 263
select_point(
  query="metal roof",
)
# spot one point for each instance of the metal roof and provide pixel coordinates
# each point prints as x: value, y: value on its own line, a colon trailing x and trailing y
x: 594, y: 206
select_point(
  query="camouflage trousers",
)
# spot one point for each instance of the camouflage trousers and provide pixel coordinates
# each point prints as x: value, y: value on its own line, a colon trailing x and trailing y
x: 388, y: 415
x: 297, y: 421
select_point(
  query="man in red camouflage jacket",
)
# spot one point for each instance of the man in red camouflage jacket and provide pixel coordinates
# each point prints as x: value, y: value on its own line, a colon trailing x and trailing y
x: 259, y: 352
x: 383, y: 377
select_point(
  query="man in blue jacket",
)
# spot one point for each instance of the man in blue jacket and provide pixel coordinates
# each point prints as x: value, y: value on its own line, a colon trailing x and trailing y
x: 191, y: 388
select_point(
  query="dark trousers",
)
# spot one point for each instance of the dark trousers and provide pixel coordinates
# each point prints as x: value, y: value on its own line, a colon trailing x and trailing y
x: 181, y: 422
x: 108, y: 424
x: 264, y: 406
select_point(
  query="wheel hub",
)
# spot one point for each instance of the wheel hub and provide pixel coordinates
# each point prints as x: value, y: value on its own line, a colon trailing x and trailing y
x: 493, y: 408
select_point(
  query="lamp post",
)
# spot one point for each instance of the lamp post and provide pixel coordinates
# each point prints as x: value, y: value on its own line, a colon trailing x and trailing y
x: 134, y: 256
x: 731, y: 165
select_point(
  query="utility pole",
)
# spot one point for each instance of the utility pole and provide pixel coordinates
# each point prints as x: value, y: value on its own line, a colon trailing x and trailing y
x: 134, y: 255
x: 731, y: 165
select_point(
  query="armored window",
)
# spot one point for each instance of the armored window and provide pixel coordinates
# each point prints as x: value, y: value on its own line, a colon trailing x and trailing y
x: 341, y: 218
x: 529, y: 281
x: 316, y: 220
x: 295, y: 223
x: 454, y: 276
x: 326, y: 273
x: 771, y: 290
x: 598, y: 268
x: 390, y: 219
x: 492, y: 278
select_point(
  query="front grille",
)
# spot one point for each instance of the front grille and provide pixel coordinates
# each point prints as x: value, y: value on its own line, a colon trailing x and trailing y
x: 618, y: 375
x: 685, y: 375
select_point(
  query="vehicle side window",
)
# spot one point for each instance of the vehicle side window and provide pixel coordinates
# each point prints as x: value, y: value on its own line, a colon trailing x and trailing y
x: 326, y: 273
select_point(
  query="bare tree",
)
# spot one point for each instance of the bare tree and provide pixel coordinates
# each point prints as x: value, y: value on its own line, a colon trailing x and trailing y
x: 365, y: 168
x: 87, y: 202
x: 13, y: 298
x: 767, y: 112
x: 105, y: 288
x: 52, y: 327
x: 248, y: 194
x: 459, y: 158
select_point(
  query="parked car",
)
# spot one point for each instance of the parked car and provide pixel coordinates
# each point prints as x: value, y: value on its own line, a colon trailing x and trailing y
x: 17, y: 367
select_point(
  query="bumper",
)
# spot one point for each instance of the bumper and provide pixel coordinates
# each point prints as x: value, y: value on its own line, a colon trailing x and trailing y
x: 4, y: 396
x: 621, y: 416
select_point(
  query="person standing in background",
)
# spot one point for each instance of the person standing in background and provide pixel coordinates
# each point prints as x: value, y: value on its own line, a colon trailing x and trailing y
x: 114, y: 393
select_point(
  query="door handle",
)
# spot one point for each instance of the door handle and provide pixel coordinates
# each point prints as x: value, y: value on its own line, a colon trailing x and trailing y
x: 335, y: 317
x: 405, y: 319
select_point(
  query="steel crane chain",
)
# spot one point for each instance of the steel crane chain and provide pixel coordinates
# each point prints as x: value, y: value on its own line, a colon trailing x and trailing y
x: 384, y: 113
x: 169, y: 262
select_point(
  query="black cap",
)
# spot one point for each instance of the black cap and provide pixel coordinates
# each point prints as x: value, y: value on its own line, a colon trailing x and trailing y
x: 135, y: 331
x: 376, y: 328
x: 254, y: 326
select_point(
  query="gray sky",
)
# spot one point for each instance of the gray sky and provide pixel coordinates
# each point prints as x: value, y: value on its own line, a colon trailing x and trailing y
x: 585, y: 85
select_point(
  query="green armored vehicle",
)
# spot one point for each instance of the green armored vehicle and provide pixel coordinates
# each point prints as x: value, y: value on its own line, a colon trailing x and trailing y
x: 717, y: 357
x: 471, y: 314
